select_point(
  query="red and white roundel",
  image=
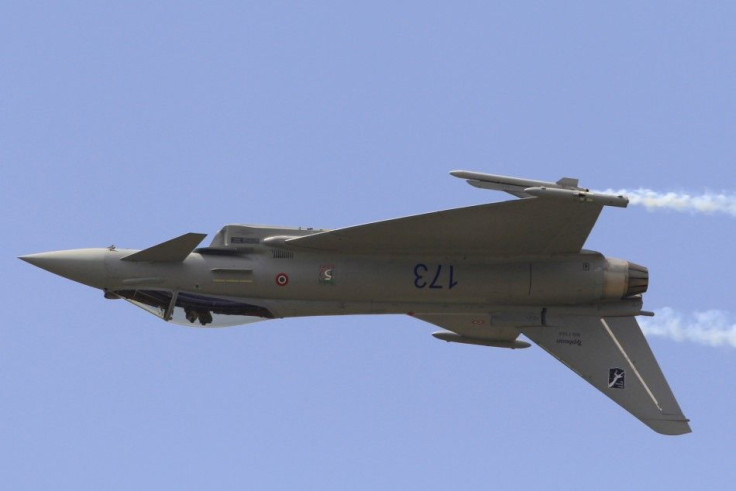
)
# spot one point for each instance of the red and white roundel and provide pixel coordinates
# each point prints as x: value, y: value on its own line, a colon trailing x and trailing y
x: 282, y: 279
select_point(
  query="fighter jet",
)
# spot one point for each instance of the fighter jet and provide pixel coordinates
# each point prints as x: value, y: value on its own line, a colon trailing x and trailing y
x: 484, y: 274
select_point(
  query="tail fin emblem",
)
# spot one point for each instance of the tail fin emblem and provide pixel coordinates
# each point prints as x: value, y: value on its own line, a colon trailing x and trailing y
x: 616, y: 378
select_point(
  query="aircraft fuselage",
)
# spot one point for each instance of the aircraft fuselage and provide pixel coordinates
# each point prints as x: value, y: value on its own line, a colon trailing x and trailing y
x: 289, y: 284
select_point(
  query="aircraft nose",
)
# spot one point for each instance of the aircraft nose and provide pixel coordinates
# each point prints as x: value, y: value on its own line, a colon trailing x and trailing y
x: 85, y: 266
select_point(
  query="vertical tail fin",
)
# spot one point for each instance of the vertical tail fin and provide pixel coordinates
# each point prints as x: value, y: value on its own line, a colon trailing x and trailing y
x: 612, y: 355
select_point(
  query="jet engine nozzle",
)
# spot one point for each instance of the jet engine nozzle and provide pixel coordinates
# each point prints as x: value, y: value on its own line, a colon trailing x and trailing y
x: 638, y: 280
x: 623, y: 279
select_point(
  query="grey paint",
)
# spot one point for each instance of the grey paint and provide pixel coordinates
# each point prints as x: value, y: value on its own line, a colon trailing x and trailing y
x: 484, y: 274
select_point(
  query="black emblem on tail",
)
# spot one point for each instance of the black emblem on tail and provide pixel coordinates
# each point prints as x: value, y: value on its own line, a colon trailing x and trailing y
x: 616, y: 378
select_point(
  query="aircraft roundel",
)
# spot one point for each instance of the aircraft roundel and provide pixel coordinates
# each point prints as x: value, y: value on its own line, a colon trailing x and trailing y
x: 282, y: 279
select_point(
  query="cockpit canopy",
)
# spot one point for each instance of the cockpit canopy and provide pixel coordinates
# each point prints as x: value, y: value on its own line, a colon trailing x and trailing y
x: 246, y: 239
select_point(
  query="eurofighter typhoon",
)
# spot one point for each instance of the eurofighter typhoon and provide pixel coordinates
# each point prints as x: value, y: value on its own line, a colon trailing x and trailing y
x: 483, y: 274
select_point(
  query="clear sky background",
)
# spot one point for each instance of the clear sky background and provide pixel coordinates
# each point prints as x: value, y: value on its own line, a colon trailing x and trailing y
x: 130, y: 123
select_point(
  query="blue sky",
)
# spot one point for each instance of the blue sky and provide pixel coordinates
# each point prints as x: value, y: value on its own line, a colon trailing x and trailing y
x: 132, y: 123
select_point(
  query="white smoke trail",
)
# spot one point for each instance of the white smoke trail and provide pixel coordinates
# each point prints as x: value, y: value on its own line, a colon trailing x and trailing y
x: 707, y: 202
x: 710, y: 327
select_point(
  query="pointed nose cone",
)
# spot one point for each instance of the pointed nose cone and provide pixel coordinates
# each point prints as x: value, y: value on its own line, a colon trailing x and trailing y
x: 82, y: 265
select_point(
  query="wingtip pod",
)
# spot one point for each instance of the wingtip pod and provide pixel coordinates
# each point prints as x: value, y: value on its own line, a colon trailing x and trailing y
x: 566, y: 188
x: 581, y: 196
x: 512, y: 185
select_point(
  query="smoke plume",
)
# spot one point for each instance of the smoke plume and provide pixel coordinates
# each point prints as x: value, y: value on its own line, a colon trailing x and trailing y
x: 710, y: 327
x: 707, y: 203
